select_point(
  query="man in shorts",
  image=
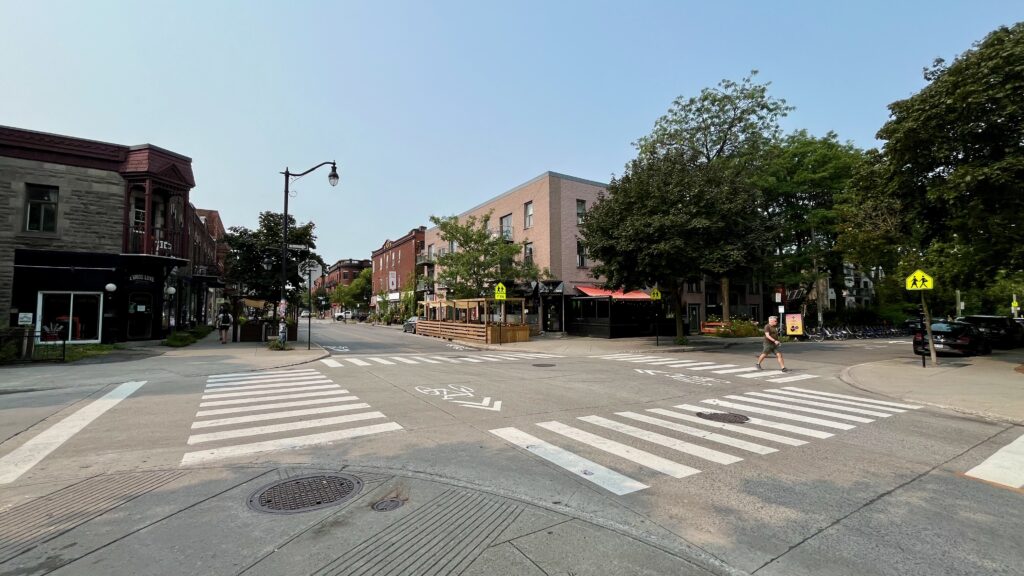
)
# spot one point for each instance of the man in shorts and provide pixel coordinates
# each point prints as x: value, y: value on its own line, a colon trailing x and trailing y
x: 772, y: 345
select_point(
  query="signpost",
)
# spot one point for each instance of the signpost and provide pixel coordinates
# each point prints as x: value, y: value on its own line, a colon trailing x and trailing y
x: 656, y: 296
x: 920, y: 281
x: 499, y: 294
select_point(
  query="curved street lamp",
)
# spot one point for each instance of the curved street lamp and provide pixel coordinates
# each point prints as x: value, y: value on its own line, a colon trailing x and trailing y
x: 332, y: 178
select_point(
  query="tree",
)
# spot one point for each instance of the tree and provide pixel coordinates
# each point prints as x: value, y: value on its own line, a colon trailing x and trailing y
x: 357, y: 293
x: 249, y: 248
x: 481, y: 258
x: 688, y: 204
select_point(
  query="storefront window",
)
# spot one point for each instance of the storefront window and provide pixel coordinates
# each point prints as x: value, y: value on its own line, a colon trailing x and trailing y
x: 73, y: 316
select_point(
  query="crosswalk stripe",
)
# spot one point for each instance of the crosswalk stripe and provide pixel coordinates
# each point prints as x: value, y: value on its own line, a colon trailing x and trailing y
x: 261, y: 392
x: 714, y: 367
x: 801, y: 409
x: 381, y: 361
x: 274, y: 428
x: 1005, y: 467
x: 265, y: 398
x: 735, y: 370
x: 403, y: 360
x: 781, y: 414
x: 591, y: 471
x: 882, y: 402
x: 266, y: 386
x: 218, y: 377
x: 276, y: 405
x: 611, y: 356
x: 712, y: 436
x: 662, y: 440
x: 730, y: 427
x: 491, y: 358
x: 242, y: 384
x: 762, y: 373
x: 834, y: 400
x: 652, y: 461
x: 793, y: 378
x: 448, y: 360
x: 286, y: 443
x: 427, y: 360
x: 766, y: 423
x: 640, y: 358
x: 821, y: 404
x: 277, y: 415
x: 332, y: 363
x: 507, y: 357
x: 688, y: 364
x: 467, y: 359
x: 672, y: 361
x: 358, y: 362
x: 650, y: 359
x: 267, y: 378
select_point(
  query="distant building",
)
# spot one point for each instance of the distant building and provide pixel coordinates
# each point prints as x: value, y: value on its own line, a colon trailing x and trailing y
x: 394, y: 267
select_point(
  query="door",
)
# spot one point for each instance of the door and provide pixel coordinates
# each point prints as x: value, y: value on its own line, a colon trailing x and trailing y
x: 140, y: 316
x: 693, y: 316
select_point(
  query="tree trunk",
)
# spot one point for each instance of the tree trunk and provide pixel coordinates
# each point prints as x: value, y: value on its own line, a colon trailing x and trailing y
x: 679, y: 309
x: 725, y: 298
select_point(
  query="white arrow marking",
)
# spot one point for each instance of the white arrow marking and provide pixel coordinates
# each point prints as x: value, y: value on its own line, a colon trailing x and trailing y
x: 483, y: 405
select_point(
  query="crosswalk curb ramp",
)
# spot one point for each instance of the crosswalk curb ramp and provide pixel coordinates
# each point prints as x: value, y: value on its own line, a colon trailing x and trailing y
x: 776, y: 419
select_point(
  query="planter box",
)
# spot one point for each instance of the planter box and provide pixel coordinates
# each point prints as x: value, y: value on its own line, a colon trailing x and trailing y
x: 711, y: 327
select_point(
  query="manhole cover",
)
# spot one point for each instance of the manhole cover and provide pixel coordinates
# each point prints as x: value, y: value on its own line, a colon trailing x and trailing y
x: 304, y: 493
x: 727, y: 417
x: 544, y: 365
x: 387, y: 505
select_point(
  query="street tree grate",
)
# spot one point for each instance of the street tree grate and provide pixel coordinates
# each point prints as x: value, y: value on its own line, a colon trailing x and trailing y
x: 544, y: 365
x: 388, y: 505
x: 305, y: 493
x: 725, y: 417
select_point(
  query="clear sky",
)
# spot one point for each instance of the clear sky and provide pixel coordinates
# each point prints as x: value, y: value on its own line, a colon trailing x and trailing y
x: 434, y: 106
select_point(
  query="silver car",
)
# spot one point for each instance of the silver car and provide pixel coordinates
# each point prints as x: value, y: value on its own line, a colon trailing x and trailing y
x: 410, y: 324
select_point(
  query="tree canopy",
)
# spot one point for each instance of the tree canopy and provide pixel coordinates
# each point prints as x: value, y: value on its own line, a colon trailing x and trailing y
x: 249, y: 248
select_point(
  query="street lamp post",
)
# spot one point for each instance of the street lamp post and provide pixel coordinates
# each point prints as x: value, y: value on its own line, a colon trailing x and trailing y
x: 332, y: 178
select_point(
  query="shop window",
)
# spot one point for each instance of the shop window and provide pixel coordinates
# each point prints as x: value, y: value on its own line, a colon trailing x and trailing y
x: 73, y: 316
x: 40, y: 208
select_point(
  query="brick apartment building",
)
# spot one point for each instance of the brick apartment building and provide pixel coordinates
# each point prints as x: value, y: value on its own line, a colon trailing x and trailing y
x: 99, y: 241
x: 341, y: 273
x: 394, y: 267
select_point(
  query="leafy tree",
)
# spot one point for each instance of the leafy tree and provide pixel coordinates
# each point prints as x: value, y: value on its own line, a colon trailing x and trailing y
x: 481, y: 259
x: 357, y: 293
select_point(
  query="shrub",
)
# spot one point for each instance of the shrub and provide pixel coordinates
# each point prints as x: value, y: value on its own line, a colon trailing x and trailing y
x: 200, y: 332
x: 681, y: 340
x: 179, y: 339
x: 9, y: 352
x: 275, y: 344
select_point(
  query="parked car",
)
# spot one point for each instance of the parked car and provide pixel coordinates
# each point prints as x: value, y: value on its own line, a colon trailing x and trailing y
x: 1001, y: 331
x: 410, y: 324
x: 305, y: 314
x: 346, y: 315
x: 952, y: 338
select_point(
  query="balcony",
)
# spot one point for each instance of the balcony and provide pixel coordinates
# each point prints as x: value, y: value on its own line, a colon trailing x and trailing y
x: 207, y: 270
x: 427, y: 259
x: 163, y: 241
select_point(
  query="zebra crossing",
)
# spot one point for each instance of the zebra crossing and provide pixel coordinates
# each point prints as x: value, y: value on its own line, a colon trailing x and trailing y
x: 376, y: 361
x: 773, y: 376
x: 276, y: 404
x: 720, y: 431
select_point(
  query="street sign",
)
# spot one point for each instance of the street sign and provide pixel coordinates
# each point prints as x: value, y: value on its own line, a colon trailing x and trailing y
x: 499, y: 291
x: 655, y: 294
x: 794, y: 325
x: 25, y: 319
x: 920, y: 281
x: 298, y: 247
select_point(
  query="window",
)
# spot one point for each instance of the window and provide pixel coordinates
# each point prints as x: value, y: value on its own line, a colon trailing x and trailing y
x: 581, y: 255
x: 344, y: 275
x: 693, y: 286
x: 41, y: 208
x: 453, y: 245
x: 73, y: 316
x: 506, y: 227
x: 528, y: 253
x: 581, y: 211
x: 430, y: 251
x: 528, y: 215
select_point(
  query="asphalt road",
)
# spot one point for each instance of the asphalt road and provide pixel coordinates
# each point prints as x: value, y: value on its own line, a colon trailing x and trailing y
x: 825, y: 479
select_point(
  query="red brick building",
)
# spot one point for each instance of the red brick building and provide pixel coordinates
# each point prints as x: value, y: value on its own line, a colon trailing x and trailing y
x: 394, y: 267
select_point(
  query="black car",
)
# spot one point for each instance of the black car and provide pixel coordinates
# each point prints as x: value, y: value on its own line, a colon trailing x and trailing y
x: 410, y: 324
x: 1001, y: 331
x: 958, y: 338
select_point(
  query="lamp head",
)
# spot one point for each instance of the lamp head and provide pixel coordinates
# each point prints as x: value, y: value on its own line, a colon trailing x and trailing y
x: 268, y: 263
x: 333, y: 176
x: 110, y: 287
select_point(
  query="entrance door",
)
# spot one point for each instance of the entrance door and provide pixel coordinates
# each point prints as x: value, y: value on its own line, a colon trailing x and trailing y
x: 140, y: 316
x: 755, y: 312
x: 693, y: 314
x: 553, y: 314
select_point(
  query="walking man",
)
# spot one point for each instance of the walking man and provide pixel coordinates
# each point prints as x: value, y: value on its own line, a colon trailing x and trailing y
x: 224, y: 321
x: 772, y: 343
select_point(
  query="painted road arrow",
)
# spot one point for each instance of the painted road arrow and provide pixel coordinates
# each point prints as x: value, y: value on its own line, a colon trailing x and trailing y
x: 483, y: 405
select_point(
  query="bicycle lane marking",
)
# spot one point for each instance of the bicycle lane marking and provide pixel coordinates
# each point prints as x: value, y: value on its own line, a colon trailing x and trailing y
x: 23, y: 458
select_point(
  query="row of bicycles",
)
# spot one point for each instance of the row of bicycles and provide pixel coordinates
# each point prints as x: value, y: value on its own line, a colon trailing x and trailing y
x: 822, y: 333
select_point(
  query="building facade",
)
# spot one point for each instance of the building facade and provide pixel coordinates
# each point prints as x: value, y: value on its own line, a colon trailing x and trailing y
x: 341, y: 273
x: 394, y: 268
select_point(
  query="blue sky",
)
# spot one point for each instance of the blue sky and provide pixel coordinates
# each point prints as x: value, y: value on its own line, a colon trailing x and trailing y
x: 432, y: 107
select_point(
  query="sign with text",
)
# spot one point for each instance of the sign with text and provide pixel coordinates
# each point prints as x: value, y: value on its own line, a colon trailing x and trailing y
x: 499, y: 291
x: 25, y: 319
x: 794, y: 325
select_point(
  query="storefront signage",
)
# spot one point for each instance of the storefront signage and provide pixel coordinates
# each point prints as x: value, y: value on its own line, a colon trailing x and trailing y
x: 141, y: 278
x: 794, y: 325
x: 25, y: 319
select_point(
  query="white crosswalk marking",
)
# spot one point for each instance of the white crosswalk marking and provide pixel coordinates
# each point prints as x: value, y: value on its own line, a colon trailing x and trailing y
x: 443, y: 359
x: 662, y: 440
x: 591, y: 471
x: 820, y: 404
x: 278, y: 391
x: 491, y: 358
x: 672, y: 361
x: 746, y: 398
x: 262, y: 430
x: 735, y: 370
x: 291, y: 443
x: 274, y: 380
x: 689, y: 364
x: 358, y: 362
x: 320, y: 380
x: 403, y: 360
x: 641, y: 359
x: 265, y: 398
x: 762, y: 373
x: 780, y: 414
x: 332, y: 363
x: 730, y: 427
x: 764, y: 423
x: 796, y: 378
x: 222, y: 377
x: 278, y: 415
x: 260, y: 378
x: 713, y: 367
x: 468, y: 359
x: 663, y: 465
x: 276, y: 405
x: 834, y: 400
x: 425, y: 360
x: 381, y: 361
x: 858, y: 398
x: 712, y: 436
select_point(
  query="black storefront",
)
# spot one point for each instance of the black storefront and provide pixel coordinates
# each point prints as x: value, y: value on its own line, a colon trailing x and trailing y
x: 95, y: 297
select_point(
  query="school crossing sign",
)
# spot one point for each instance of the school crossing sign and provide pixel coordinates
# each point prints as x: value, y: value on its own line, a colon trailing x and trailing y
x: 499, y: 291
x: 920, y: 281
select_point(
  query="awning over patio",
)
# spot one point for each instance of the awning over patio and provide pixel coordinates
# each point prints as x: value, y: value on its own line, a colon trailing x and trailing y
x: 616, y: 295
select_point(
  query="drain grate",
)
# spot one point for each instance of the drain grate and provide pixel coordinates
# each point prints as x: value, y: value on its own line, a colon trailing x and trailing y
x: 726, y: 417
x: 388, y: 505
x: 305, y: 493
x: 544, y: 365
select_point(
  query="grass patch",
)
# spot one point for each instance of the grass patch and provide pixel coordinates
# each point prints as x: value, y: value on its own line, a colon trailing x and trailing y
x: 79, y: 351
x: 201, y: 331
x: 179, y: 339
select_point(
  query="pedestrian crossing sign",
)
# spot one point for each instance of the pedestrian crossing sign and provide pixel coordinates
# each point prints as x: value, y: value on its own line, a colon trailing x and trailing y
x: 655, y: 294
x: 920, y: 281
x: 499, y: 291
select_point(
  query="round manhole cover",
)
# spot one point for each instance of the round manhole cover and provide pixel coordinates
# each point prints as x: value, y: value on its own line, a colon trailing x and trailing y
x: 544, y: 365
x: 305, y: 493
x: 726, y: 417
x: 387, y: 505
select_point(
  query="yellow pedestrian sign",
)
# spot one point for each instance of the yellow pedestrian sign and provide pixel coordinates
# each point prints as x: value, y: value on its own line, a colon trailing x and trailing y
x: 655, y: 294
x: 920, y: 281
x: 499, y: 291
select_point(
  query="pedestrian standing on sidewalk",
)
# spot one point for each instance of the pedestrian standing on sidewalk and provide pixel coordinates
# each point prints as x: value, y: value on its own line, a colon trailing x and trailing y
x: 224, y: 321
x: 772, y: 343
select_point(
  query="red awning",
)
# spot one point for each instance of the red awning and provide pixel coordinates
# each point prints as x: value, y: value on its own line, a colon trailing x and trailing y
x: 616, y: 295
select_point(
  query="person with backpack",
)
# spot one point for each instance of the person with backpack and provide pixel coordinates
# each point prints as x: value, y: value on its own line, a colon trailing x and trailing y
x: 224, y: 321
